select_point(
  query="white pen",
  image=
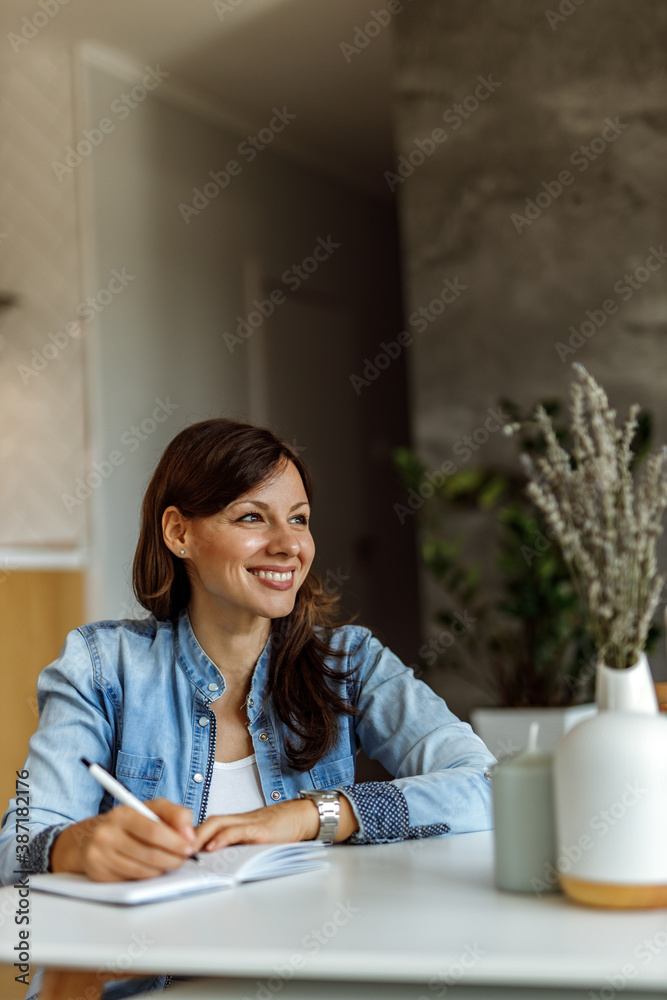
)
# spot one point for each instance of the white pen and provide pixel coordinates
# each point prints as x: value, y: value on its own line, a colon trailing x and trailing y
x: 123, y: 794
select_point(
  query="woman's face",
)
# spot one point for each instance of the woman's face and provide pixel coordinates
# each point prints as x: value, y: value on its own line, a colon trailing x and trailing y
x: 252, y: 557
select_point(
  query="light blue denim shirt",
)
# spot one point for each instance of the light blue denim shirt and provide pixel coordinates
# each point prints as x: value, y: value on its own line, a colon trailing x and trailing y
x: 136, y: 697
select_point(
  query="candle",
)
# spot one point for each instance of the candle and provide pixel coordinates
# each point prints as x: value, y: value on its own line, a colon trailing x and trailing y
x: 523, y: 810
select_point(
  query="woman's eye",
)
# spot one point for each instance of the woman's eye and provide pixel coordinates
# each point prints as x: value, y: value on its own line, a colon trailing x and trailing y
x: 254, y: 516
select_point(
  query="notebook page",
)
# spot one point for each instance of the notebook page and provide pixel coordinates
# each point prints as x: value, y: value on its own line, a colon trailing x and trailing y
x: 215, y: 870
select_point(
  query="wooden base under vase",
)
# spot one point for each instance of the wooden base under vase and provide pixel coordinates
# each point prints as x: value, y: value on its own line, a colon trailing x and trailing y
x: 614, y: 897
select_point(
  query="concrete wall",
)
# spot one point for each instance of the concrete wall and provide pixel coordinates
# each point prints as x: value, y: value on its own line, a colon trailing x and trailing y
x: 495, y: 103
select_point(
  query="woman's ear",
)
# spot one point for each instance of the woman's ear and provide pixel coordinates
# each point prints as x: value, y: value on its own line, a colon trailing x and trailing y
x: 174, y: 531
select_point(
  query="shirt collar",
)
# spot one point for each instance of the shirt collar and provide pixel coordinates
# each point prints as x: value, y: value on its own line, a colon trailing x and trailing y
x: 201, y: 669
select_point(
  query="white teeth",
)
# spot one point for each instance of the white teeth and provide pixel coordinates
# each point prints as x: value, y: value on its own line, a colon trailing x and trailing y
x: 270, y: 575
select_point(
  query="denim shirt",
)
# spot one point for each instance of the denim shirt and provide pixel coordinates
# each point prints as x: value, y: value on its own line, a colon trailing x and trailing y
x: 136, y: 697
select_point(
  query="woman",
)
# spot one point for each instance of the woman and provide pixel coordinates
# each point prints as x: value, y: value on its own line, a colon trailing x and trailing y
x: 237, y: 695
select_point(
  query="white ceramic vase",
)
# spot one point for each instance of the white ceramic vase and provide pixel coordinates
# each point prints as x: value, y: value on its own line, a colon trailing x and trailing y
x: 610, y: 783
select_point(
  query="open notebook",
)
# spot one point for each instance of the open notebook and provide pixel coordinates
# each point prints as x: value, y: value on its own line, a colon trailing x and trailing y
x: 217, y: 870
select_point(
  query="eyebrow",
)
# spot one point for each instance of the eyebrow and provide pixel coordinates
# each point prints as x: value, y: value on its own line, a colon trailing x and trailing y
x: 265, y: 506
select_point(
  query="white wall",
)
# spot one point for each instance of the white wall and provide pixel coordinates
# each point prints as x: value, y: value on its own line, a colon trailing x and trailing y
x: 41, y: 364
x: 162, y: 336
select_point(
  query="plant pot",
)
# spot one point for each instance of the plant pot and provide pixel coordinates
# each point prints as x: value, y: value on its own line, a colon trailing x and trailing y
x: 610, y: 782
x: 505, y: 730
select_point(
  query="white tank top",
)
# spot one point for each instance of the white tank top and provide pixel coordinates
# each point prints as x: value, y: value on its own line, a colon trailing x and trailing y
x: 235, y: 787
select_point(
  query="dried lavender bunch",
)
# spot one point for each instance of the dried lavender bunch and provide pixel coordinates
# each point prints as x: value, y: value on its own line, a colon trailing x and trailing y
x: 606, y: 524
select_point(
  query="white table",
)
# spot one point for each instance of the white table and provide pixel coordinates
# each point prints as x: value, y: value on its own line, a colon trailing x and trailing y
x: 401, y: 921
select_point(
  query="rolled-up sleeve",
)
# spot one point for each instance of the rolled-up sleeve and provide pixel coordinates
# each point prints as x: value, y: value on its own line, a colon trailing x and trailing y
x: 441, y: 782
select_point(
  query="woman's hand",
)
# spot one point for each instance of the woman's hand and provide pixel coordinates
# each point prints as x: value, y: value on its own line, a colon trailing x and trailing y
x: 123, y: 844
x: 284, y: 822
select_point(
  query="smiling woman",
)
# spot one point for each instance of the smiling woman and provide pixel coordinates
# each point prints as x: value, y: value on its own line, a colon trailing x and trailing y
x: 224, y: 552
x: 239, y: 701
x: 227, y: 511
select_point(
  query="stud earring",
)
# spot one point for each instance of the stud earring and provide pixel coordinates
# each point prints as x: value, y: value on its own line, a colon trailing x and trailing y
x: 182, y: 552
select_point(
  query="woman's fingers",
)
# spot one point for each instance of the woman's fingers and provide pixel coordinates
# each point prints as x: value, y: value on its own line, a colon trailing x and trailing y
x: 124, y: 844
x: 239, y: 825
x: 282, y: 823
x: 247, y: 832
x: 177, y: 817
x: 161, y: 835
x: 120, y: 860
x: 127, y: 845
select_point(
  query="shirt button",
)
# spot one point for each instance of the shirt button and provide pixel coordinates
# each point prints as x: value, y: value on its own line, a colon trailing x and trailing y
x: 198, y: 778
x: 204, y: 721
x: 275, y: 796
x: 250, y: 702
x: 263, y: 737
x: 213, y: 687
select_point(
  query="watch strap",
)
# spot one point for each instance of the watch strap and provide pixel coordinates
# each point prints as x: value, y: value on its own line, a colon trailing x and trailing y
x: 328, y: 806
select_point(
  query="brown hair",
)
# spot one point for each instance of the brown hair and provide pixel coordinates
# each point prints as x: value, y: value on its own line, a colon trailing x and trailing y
x: 207, y: 466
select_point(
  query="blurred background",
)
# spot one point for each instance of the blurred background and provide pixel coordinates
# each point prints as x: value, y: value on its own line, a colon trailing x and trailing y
x: 363, y: 226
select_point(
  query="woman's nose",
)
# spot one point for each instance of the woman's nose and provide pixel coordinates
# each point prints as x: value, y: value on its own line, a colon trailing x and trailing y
x: 284, y: 539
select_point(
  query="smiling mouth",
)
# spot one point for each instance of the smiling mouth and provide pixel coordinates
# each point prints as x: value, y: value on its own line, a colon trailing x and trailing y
x: 272, y: 575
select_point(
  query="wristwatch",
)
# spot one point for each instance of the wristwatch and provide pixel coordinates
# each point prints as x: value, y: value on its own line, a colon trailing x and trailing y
x: 328, y: 806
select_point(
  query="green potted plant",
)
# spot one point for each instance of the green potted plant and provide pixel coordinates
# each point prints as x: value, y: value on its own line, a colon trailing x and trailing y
x: 611, y: 771
x: 529, y: 652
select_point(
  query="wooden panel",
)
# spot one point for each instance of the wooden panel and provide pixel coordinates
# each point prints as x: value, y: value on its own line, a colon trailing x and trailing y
x: 37, y: 609
x: 661, y: 693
